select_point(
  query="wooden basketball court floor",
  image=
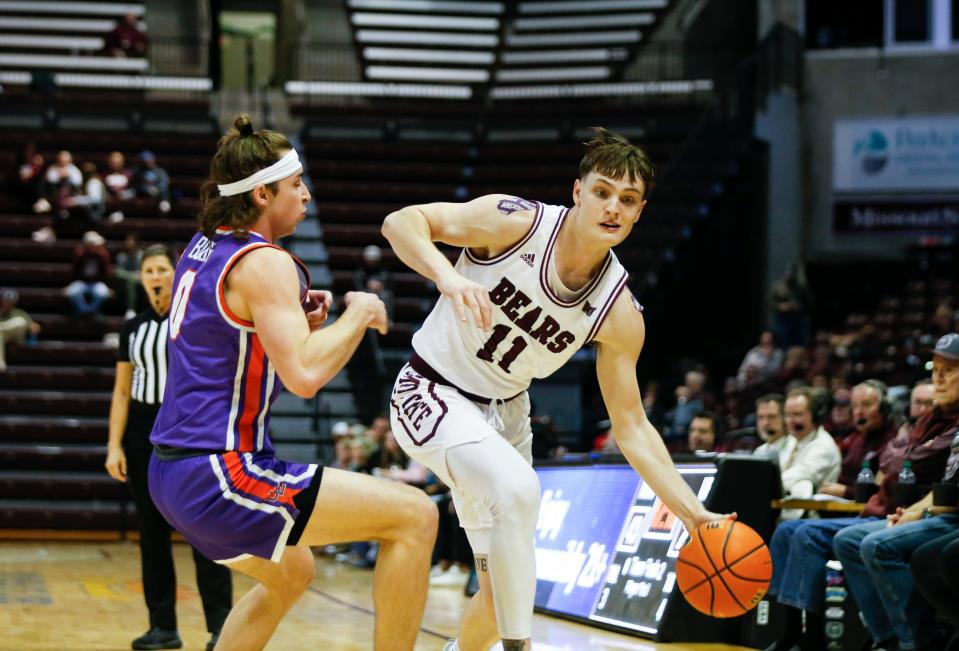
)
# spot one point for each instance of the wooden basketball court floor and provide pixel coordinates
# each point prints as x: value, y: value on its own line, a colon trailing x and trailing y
x: 74, y: 596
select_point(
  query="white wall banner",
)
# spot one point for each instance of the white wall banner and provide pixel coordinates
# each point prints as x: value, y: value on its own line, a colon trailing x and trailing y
x: 896, y: 154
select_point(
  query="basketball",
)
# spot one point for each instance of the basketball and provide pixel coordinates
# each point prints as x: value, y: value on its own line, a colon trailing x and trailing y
x: 725, y: 569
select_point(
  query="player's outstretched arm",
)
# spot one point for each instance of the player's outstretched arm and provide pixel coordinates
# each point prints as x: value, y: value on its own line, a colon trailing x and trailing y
x: 620, y: 342
x: 264, y: 288
x: 489, y: 224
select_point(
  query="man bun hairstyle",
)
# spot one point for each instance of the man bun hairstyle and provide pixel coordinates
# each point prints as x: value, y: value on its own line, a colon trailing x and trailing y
x: 614, y: 156
x: 240, y: 153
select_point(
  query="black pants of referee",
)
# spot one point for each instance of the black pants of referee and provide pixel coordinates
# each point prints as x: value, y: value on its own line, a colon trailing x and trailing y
x: 156, y: 557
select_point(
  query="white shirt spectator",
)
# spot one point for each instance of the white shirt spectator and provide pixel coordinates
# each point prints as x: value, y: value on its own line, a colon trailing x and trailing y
x: 71, y: 172
x: 773, y: 449
x: 808, y: 464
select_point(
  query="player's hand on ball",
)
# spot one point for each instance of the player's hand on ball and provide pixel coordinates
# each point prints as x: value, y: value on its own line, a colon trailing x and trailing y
x: 373, y: 306
x: 317, y: 306
x: 705, y: 516
x: 468, y: 297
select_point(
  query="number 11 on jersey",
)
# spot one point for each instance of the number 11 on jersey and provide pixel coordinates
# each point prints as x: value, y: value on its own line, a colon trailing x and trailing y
x: 500, y: 333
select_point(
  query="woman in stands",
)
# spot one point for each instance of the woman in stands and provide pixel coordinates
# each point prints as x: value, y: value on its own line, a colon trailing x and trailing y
x: 137, y: 393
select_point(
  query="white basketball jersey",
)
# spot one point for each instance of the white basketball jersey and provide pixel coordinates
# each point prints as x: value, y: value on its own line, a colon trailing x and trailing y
x: 534, y: 330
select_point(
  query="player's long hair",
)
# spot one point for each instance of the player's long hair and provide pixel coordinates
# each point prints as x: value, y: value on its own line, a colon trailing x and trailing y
x: 240, y: 153
x: 614, y: 156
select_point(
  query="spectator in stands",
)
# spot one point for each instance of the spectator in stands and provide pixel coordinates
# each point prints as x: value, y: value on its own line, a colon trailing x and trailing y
x: 653, y: 406
x: 15, y: 324
x: 874, y: 428
x: 91, y: 270
x: 875, y: 555
x: 790, y: 299
x: 704, y: 433
x: 691, y: 398
x: 770, y: 425
x: 839, y: 423
x: 86, y: 207
x: 30, y: 178
x: 119, y: 178
x: 63, y: 177
x: 373, y: 277
x: 126, y: 39
x: 921, y: 400
x: 366, y: 369
x: 137, y: 394
x: 152, y: 181
x: 761, y: 362
x: 810, y: 457
x: 341, y: 453
x: 127, y: 271
x: 800, y: 548
x: 943, y: 319
x: 795, y: 366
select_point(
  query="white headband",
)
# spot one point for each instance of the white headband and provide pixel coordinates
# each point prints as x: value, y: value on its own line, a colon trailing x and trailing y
x: 286, y: 166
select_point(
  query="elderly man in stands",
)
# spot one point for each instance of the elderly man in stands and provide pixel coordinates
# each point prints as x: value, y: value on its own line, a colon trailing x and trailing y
x: 800, y: 548
x: 875, y: 555
x: 770, y: 425
x: 921, y: 400
x: 874, y: 428
x: 15, y: 324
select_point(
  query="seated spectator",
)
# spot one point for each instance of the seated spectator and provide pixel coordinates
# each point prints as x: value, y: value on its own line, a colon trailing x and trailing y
x: 152, y: 181
x: 874, y: 429
x: 800, y: 548
x: 63, y: 180
x: 127, y: 271
x: 770, y: 425
x: 921, y: 400
x: 119, y: 178
x: 795, y: 366
x: 30, y: 179
x: 342, y: 453
x: 653, y: 407
x: 126, y: 39
x: 839, y: 423
x: 875, y: 556
x: 705, y: 431
x: 15, y: 324
x: 691, y: 398
x: 761, y: 362
x: 91, y: 270
x: 809, y: 457
x: 87, y: 206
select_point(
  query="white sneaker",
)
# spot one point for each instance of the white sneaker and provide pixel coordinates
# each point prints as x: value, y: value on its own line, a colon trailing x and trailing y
x: 451, y: 578
x: 164, y: 206
x: 129, y: 314
x: 44, y: 234
x: 115, y: 217
x: 41, y: 205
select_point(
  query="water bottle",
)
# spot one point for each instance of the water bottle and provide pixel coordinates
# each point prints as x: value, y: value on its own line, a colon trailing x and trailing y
x: 865, y: 475
x: 865, y: 483
x: 907, y: 476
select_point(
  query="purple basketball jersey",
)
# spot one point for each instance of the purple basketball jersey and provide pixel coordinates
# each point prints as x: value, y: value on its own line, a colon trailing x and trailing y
x: 220, y: 383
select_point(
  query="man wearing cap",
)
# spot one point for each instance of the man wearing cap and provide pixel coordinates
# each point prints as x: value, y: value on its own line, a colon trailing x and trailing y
x: 151, y: 180
x: 14, y: 323
x: 875, y: 555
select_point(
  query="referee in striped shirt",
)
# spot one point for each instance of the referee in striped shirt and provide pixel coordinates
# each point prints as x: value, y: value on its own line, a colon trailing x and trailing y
x: 137, y: 393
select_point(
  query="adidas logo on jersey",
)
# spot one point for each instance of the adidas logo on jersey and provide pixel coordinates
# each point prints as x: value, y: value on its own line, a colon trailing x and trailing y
x: 528, y: 258
x: 588, y: 309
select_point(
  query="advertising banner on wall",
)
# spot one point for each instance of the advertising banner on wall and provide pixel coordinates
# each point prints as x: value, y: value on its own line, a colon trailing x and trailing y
x: 899, y: 217
x: 910, y: 154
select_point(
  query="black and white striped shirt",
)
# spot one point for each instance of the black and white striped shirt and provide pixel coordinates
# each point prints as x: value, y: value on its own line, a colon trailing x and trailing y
x: 143, y: 343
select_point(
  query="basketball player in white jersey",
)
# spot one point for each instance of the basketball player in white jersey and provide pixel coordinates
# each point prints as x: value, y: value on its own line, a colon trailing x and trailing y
x: 534, y: 284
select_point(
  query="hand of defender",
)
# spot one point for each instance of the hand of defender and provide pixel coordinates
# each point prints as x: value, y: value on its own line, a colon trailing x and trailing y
x: 317, y: 307
x: 373, y: 306
x: 470, y: 297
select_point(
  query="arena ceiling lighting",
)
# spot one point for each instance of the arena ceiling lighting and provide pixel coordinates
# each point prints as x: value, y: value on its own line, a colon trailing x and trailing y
x: 587, y: 38
x: 336, y: 88
x: 428, y: 56
x: 426, y: 38
x: 579, y: 7
x: 602, y: 90
x: 488, y: 8
x: 365, y: 19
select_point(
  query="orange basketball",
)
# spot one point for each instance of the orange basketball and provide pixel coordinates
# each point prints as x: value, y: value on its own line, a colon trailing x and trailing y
x: 725, y: 569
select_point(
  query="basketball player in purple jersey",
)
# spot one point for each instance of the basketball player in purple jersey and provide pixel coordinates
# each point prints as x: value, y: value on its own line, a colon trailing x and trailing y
x: 534, y: 284
x: 237, y: 334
